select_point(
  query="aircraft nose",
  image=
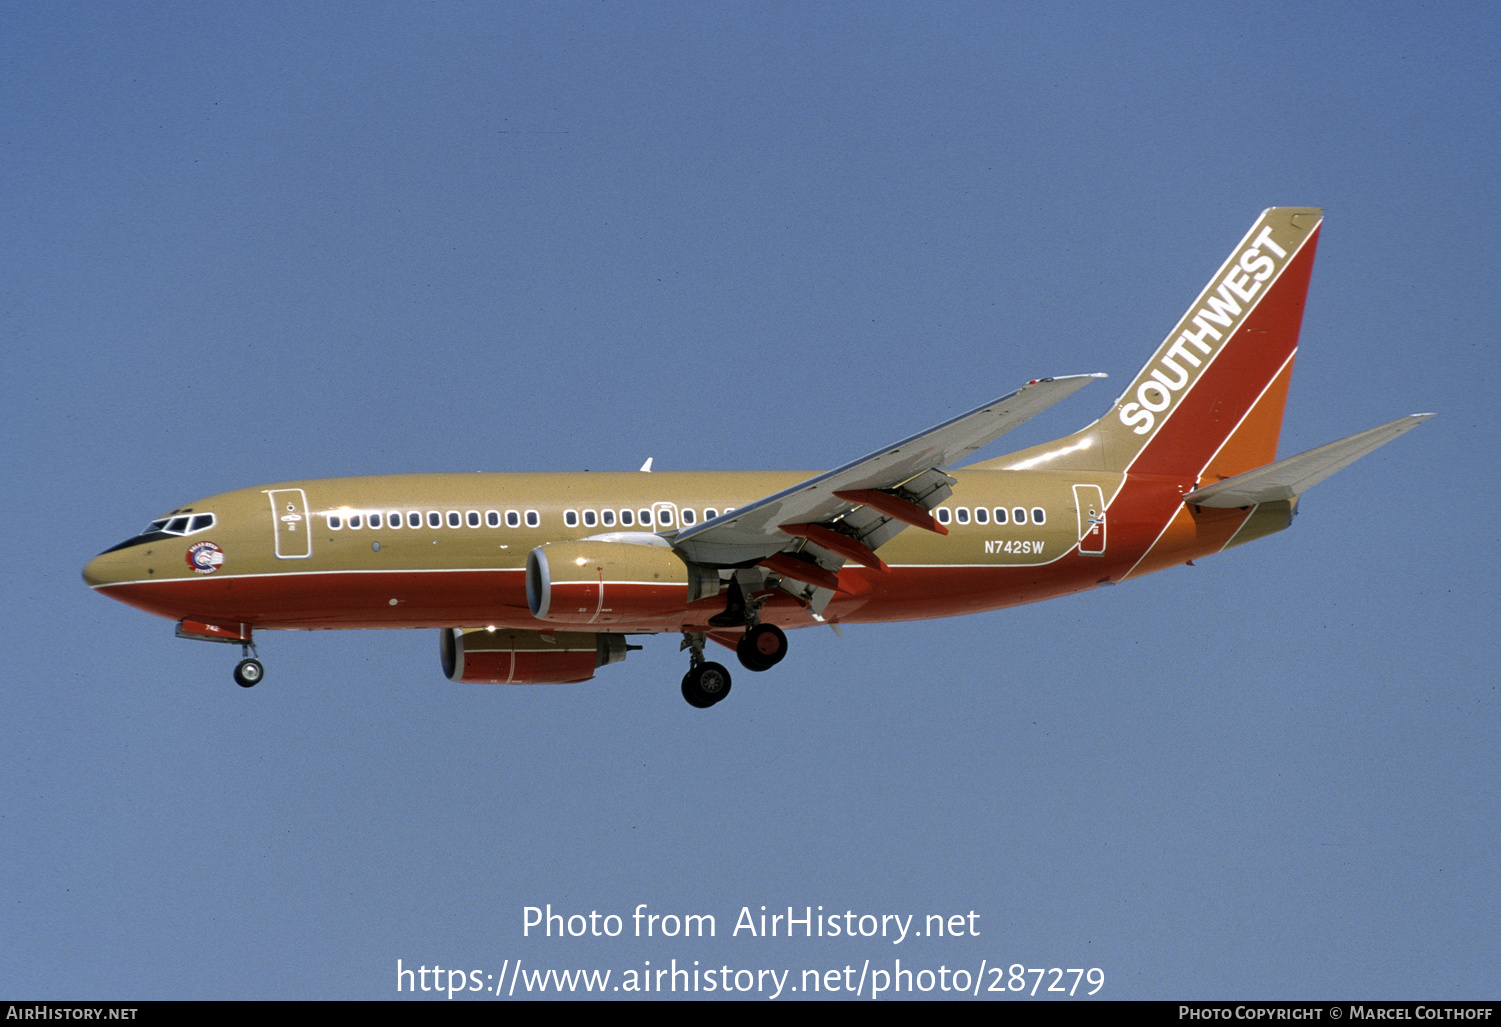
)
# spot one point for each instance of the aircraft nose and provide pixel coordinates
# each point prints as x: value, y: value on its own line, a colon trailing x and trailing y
x: 96, y: 571
x: 108, y: 568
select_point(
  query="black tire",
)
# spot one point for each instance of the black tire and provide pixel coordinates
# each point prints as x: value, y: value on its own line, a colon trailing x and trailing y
x: 248, y: 673
x: 761, y: 647
x: 705, y: 685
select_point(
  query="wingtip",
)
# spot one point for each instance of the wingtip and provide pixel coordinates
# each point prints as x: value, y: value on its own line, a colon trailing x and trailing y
x: 1066, y: 377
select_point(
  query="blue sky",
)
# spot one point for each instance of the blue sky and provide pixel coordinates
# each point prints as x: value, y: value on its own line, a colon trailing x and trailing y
x: 245, y: 244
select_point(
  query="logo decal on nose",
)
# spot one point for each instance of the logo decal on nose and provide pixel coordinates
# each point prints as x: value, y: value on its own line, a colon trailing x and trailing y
x: 205, y: 557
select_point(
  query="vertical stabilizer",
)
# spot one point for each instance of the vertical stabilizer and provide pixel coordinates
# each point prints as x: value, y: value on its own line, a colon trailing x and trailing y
x: 1208, y: 404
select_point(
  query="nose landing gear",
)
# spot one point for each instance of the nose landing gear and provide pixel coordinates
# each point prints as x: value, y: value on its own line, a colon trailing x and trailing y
x: 248, y: 673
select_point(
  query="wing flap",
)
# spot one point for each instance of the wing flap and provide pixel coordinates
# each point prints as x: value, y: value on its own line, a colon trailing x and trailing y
x: 906, y: 470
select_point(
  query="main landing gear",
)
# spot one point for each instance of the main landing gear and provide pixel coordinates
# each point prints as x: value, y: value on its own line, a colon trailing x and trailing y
x: 706, y: 682
x: 761, y: 647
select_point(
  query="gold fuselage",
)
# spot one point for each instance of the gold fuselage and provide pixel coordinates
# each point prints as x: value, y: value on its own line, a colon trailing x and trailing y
x: 344, y: 572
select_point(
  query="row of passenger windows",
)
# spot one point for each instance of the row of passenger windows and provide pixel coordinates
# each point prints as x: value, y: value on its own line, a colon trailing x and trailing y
x: 1000, y: 515
x: 645, y: 517
x: 357, y: 519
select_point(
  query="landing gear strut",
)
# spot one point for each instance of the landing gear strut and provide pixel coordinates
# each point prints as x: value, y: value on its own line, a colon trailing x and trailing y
x: 706, y: 682
x: 763, y: 645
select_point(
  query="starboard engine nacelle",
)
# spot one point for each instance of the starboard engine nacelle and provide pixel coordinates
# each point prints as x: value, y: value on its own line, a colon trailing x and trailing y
x: 502, y: 656
x: 601, y: 581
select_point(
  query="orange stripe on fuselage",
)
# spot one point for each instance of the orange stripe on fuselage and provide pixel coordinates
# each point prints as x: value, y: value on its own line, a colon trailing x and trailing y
x: 1190, y: 534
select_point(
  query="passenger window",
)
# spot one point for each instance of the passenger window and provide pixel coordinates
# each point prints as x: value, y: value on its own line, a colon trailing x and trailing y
x: 590, y: 518
x: 645, y: 516
x: 962, y: 515
x: 688, y: 517
x: 981, y: 515
x: 1000, y: 515
x: 454, y: 520
x: 335, y: 522
x: 472, y: 518
x: 492, y: 518
x: 943, y: 515
x: 664, y: 518
x: 434, y: 519
x: 1019, y: 515
x: 414, y: 519
x: 513, y: 519
x: 375, y: 520
x: 394, y: 518
x: 533, y: 519
x: 1039, y: 515
x: 356, y: 521
x: 609, y: 518
x: 710, y: 513
x: 571, y: 518
x: 627, y: 518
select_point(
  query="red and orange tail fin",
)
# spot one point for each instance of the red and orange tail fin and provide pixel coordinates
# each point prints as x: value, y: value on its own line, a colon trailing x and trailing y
x: 1208, y: 405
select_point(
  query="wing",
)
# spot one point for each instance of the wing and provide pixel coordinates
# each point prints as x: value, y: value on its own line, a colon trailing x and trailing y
x: 849, y: 512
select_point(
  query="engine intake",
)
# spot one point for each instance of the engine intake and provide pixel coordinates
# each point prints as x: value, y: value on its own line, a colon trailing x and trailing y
x: 604, y: 582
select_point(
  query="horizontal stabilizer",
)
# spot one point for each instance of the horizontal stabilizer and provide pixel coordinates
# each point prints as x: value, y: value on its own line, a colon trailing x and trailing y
x: 1287, y: 479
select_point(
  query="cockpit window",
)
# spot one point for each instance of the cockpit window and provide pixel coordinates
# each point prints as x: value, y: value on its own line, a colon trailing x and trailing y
x: 173, y: 525
x: 180, y: 525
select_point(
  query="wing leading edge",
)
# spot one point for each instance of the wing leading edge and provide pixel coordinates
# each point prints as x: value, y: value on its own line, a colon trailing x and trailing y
x: 871, y: 498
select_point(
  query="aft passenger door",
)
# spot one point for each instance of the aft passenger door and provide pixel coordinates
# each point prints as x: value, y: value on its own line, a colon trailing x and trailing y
x: 1089, y: 501
x: 294, y: 532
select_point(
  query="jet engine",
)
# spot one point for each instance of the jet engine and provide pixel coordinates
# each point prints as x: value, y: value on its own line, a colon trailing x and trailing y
x: 606, y: 582
x: 502, y: 656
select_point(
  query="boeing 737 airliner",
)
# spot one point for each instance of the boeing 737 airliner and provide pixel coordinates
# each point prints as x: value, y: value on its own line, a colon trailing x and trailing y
x: 542, y: 578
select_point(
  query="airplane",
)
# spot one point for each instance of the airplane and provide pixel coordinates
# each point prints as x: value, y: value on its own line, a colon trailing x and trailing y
x: 536, y: 578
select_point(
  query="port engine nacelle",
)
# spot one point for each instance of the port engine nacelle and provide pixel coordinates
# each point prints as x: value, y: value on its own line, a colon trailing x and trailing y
x: 605, y: 582
x: 502, y: 656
